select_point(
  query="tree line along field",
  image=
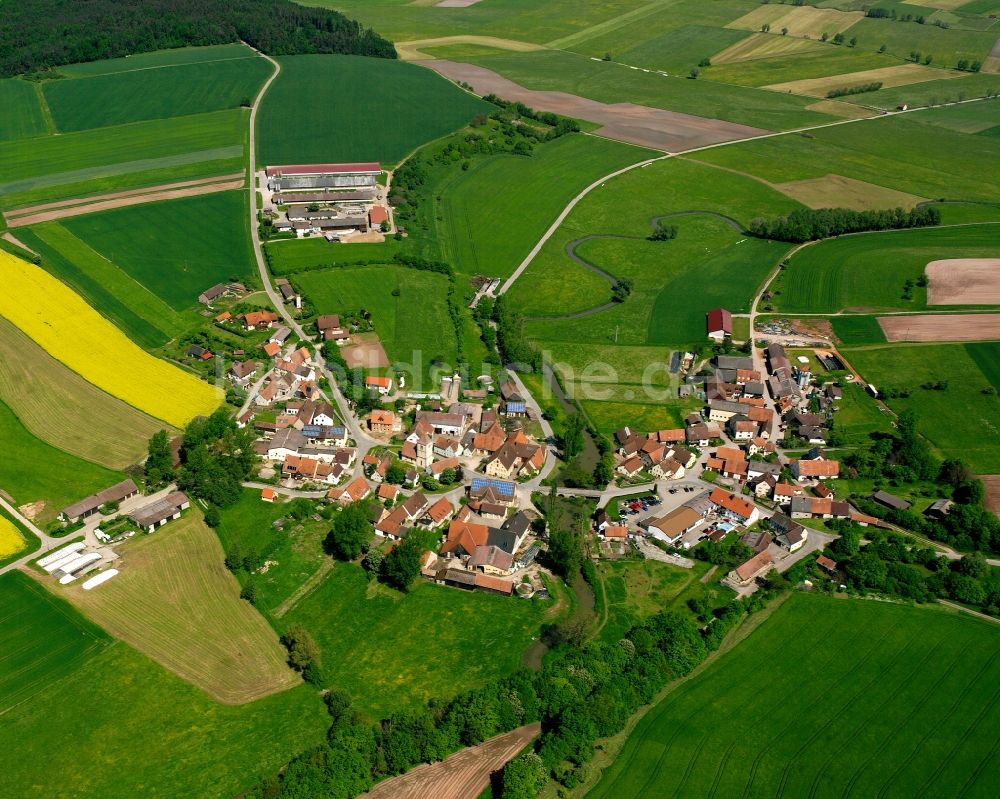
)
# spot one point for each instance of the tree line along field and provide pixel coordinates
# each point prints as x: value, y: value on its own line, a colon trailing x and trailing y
x: 960, y: 421
x: 866, y: 272
x: 393, y: 651
x: 133, y: 265
x: 71, y: 331
x: 875, y: 700
x: 323, y: 109
x: 67, y: 688
x: 61, y: 408
x: 121, y: 157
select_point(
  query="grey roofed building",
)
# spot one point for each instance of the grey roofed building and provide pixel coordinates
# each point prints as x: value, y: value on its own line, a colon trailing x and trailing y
x: 763, y: 467
x: 89, y: 505
x: 311, y: 197
x: 158, y: 512
x: 208, y: 295
x: 733, y: 362
x: 890, y: 500
x: 459, y: 578
x: 939, y: 509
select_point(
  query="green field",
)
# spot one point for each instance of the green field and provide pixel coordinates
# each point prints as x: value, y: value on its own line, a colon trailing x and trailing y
x: 42, y: 640
x: 286, y: 256
x: 22, y: 117
x: 126, y: 156
x: 519, y: 198
x: 946, y: 45
x: 879, y: 700
x: 932, y: 93
x: 678, y: 50
x: 391, y: 651
x: 154, y: 92
x: 158, y: 58
x: 414, y: 325
x: 175, y: 249
x: 816, y: 62
x: 41, y: 472
x: 856, y: 329
x: 857, y: 416
x: 145, y: 732
x: 61, y: 408
x: 866, y: 272
x: 324, y: 108
x: 961, y: 421
x: 898, y: 152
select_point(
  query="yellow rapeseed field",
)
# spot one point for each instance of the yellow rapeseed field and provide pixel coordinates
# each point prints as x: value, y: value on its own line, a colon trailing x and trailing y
x: 71, y: 331
x: 11, y: 541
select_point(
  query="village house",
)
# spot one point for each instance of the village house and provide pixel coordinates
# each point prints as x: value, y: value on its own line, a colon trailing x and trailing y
x: 734, y: 507
x: 804, y: 470
x: 719, y: 324
x: 672, y: 527
x: 493, y: 491
x: 380, y: 421
x: 259, y: 320
x: 158, y: 513
x: 745, y: 574
x: 241, y: 372
x: 613, y: 532
x: 383, y: 385
x: 784, y: 493
x: 791, y: 535
x: 355, y: 491
x: 511, y: 402
x: 88, y: 506
x: 208, y: 296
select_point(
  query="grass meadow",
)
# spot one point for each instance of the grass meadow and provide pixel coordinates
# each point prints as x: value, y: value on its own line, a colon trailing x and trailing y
x: 66, y: 688
x: 287, y: 256
x: 177, y: 603
x: 866, y: 272
x: 898, y: 152
x: 42, y: 640
x: 176, y: 57
x: 59, y: 407
x: 122, y: 157
x: 858, y: 416
x: 392, y: 651
x: 145, y: 93
x: 394, y: 107
x: 682, y: 48
x: 62, y: 323
x: 174, y: 249
x: 23, y: 117
x: 41, y: 472
x: 858, y: 329
x: 814, y: 60
x: 961, y: 421
x: 414, y: 321
x: 880, y: 700
x: 518, y: 198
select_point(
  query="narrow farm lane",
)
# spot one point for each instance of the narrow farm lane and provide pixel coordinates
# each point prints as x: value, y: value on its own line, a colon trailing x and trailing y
x: 48, y: 542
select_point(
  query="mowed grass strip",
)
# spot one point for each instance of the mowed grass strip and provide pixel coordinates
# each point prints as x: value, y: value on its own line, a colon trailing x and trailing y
x: 74, y: 333
x: 35, y: 471
x: 432, y: 642
x: 175, y: 601
x: 836, y: 191
x: 961, y: 421
x: 127, y: 156
x: 151, y: 733
x: 143, y: 242
x: 889, y: 77
x: 22, y: 115
x: 60, y: 407
x: 304, y: 117
x: 866, y: 272
x: 887, y: 700
x: 42, y: 639
x: 139, y: 95
x: 521, y: 197
x: 764, y: 45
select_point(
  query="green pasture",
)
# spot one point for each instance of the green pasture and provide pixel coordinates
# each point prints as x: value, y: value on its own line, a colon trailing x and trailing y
x: 42, y: 640
x: 287, y: 256
x: 897, y: 152
x: 866, y: 272
x: 176, y: 57
x: 947, y: 45
x: 123, y: 157
x: 960, y: 421
x: 886, y: 700
x: 176, y: 248
x: 964, y: 213
x: 966, y: 118
x: 414, y: 327
x: 22, y: 116
x: 327, y: 108
x: 145, y: 731
x: 858, y: 415
x: 610, y: 82
x: 610, y: 416
x: 491, y: 215
x: 857, y: 329
x: 392, y: 651
x: 41, y: 472
x: 154, y: 93
x: 682, y: 48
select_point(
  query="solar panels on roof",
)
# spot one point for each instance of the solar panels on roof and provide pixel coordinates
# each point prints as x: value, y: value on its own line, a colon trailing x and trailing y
x: 502, y: 487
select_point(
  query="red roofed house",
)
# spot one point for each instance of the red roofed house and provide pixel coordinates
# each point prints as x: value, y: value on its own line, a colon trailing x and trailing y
x: 614, y: 532
x: 389, y: 492
x: 719, y: 323
x: 735, y: 507
x: 355, y: 491
x: 382, y: 421
x: 382, y: 384
x: 259, y: 320
x: 815, y: 470
x: 268, y: 495
x: 757, y: 566
x: 377, y: 215
x: 438, y: 513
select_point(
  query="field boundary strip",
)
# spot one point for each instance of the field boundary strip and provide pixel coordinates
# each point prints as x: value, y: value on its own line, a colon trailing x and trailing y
x: 610, y: 25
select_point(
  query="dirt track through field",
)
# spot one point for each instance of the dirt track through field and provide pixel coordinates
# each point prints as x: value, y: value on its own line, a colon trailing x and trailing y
x: 941, y: 327
x: 963, y: 281
x: 47, y: 212
x: 464, y: 775
x: 655, y: 128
